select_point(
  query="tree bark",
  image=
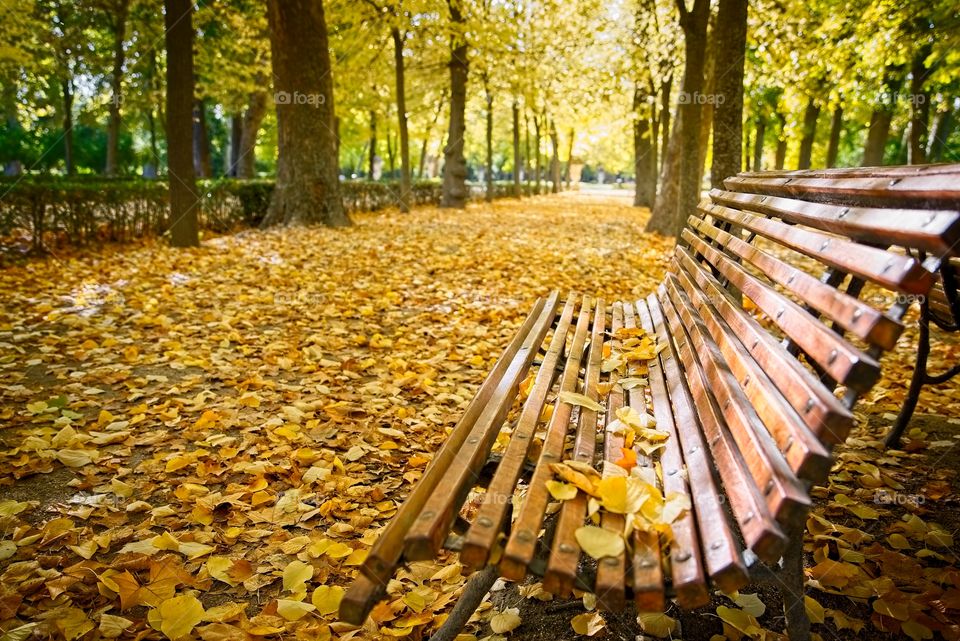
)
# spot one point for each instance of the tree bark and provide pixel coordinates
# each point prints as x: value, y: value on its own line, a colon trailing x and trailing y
x: 665, y: 114
x: 400, y: 73
x: 455, y: 165
x: 810, y: 116
x: 252, y: 119
x: 554, y: 158
x: 731, y: 39
x: 489, y: 139
x: 236, y: 134
x: 670, y: 212
x: 201, y: 142
x: 836, y: 128
x: 707, y: 107
x: 643, y: 145
x: 372, y: 153
x: 538, y: 166
x: 184, y: 199
x: 781, y: 155
x: 516, y: 148
x: 66, y: 86
x: 307, y: 188
x: 943, y: 125
x: 761, y: 130
x: 881, y: 118
x: 119, y: 18
x: 566, y: 169
x: 919, y: 106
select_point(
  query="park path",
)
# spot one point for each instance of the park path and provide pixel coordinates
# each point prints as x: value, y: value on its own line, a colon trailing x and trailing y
x: 200, y: 424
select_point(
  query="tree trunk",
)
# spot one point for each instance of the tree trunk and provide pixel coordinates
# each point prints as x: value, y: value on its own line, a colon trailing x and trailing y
x: 881, y: 118
x: 399, y: 72
x: 372, y: 155
x: 760, y: 132
x: 653, y: 168
x: 919, y: 106
x: 671, y: 211
x: 307, y: 187
x: 943, y: 125
x: 836, y: 128
x: 391, y: 152
x: 252, y: 119
x: 201, y: 142
x: 707, y: 106
x: 236, y: 134
x: 538, y: 166
x: 516, y: 148
x: 643, y: 145
x: 665, y: 113
x: 66, y: 87
x: 731, y: 39
x: 526, y: 153
x: 554, y: 158
x: 781, y: 154
x: 745, y: 160
x: 455, y: 165
x: 184, y: 199
x: 113, y: 125
x: 566, y: 169
x: 489, y: 139
x: 810, y: 116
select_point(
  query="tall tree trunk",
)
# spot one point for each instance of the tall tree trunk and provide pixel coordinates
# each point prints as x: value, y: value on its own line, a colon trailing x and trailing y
x: 488, y: 97
x: 810, y: 116
x: 391, y: 152
x: 781, y: 155
x: 670, y: 213
x: 709, y: 98
x: 12, y: 166
x: 66, y: 86
x: 566, y: 169
x: 308, y: 187
x: 919, y: 106
x: 836, y: 128
x: 399, y: 73
x: 745, y: 160
x: 252, y: 119
x: 538, y: 166
x: 455, y: 165
x: 184, y: 199
x: 372, y: 148
x: 731, y: 39
x: 119, y: 17
x: 643, y: 145
x: 761, y: 130
x: 516, y: 148
x: 236, y: 135
x: 653, y: 168
x: 943, y: 125
x: 201, y: 142
x: 665, y: 88
x: 554, y: 158
x: 527, y: 172
x: 426, y: 135
x: 881, y: 118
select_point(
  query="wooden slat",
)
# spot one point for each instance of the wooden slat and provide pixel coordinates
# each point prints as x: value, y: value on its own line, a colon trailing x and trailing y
x: 649, y: 593
x: 611, y: 572
x: 822, y: 412
x: 430, y: 529
x: 522, y: 544
x: 785, y: 495
x: 891, y: 171
x: 851, y: 314
x: 933, y: 231
x: 360, y: 598
x: 936, y: 191
x: 565, y: 551
x: 489, y: 521
x: 720, y: 548
x: 385, y: 553
x: 837, y: 357
x: 806, y: 455
x: 686, y: 562
x: 759, y: 528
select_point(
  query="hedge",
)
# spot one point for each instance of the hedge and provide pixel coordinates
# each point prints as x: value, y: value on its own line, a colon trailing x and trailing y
x: 38, y: 213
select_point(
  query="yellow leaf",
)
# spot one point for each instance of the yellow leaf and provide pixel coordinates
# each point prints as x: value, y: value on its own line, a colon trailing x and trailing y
x: 573, y: 398
x: 296, y: 575
x: 621, y: 494
x: 505, y: 621
x: 916, y: 631
x: 898, y: 542
x: 74, y: 458
x: 293, y: 610
x: 72, y: 623
x: 589, y: 623
x: 561, y: 491
x: 656, y: 624
x: 327, y: 598
x: 178, y: 616
x: 815, y: 611
x: 112, y: 626
x: 598, y: 542
x: 339, y: 550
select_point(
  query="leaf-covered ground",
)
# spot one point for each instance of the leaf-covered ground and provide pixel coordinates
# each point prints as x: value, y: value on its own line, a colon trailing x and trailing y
x: 205, y: 442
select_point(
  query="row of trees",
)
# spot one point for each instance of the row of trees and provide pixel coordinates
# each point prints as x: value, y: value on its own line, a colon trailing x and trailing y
x: 310, y: 90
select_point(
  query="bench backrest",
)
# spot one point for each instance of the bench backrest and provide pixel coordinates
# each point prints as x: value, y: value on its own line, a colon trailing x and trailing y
x: 784, y: 291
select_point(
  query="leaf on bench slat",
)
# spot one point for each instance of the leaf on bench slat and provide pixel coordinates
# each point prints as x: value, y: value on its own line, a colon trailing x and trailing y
x: 573, y: 398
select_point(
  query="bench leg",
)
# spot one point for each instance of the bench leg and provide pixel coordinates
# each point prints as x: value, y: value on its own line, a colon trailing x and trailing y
x: 473, y: 592
x: 792, y: 588
x: 918, y: 380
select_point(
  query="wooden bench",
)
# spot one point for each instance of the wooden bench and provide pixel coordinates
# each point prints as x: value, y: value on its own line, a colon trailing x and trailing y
x: 728, y: 387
